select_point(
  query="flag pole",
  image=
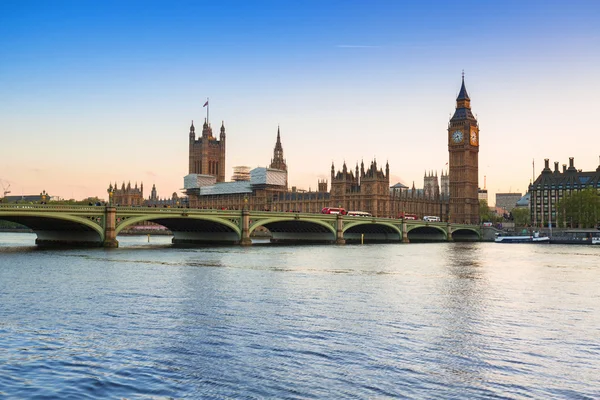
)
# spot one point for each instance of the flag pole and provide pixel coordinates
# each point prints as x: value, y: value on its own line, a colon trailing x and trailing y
x: 207, y: 107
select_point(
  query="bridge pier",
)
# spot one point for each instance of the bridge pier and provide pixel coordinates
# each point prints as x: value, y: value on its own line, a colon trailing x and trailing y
x: 449, y: 230
x: 339, y: 231
x: 404, y: 232
x: 245, y: 239
x: 110, y: 236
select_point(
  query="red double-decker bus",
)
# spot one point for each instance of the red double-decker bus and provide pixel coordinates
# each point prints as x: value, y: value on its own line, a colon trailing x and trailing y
x: 408, y: 216
x: 333, y: 210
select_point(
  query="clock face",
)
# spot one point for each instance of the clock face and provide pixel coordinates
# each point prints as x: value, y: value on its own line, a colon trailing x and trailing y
x: 457, y: 136
x: 473, y: 137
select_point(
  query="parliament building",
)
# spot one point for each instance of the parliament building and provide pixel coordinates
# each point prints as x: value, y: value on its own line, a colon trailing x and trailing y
x: 454, y: 197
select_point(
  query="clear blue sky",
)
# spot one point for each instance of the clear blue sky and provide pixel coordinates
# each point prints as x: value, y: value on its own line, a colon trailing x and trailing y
x: 98, y: 92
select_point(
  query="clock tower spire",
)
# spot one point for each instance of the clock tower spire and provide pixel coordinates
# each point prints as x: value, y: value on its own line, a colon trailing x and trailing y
x: 463, y: 149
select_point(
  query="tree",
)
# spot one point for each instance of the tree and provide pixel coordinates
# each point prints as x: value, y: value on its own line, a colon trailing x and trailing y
x: 521, y: 216
x: 579, y: 209
x: 484, y: 211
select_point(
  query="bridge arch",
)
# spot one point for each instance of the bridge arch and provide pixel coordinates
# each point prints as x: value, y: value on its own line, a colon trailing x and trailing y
x: 284, y: 229
x: 426, y: 233
x: 173, y: 221
x: 58, y: 228
x: 371, y: 231
x: 191, y: 228
x: 465, y: 234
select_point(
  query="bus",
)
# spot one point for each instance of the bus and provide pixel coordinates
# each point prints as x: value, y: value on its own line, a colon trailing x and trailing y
x: 359, y: 214
x: 431, y: 218
x: 333, y: 210
x: 408, y: 216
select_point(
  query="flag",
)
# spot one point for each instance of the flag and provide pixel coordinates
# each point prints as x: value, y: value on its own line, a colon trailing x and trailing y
x: 446, y: 163
x: 205, y: 104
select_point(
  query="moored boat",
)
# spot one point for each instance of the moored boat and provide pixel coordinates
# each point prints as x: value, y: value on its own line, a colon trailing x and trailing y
x: 534, y: 238
x: 577, y: 236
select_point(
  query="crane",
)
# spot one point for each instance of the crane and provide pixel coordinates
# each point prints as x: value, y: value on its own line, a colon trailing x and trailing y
x: 5, y: 189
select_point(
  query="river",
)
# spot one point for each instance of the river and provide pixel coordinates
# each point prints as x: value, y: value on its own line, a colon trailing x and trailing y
x: 437, y: 320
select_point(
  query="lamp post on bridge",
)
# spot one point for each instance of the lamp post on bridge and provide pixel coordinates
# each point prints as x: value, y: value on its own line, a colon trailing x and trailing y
x: 43, y: 196
x: 110, y: 191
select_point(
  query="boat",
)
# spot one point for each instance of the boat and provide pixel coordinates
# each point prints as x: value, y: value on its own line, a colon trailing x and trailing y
x: 533, y: 238
x: 577, y: 236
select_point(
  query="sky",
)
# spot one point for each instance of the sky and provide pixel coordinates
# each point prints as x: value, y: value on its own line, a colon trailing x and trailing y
x: 97, y: 92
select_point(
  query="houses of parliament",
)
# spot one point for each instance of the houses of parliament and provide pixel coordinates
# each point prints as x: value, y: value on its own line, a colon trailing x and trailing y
x: 366, y: 187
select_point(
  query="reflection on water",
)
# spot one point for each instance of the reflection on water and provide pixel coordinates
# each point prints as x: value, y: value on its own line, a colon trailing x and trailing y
x: 445, y: 320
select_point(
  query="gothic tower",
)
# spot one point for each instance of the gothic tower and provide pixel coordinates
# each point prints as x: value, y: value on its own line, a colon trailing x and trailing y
x: 207, y: 154
x: 463, y: 148
x: 278, y: 162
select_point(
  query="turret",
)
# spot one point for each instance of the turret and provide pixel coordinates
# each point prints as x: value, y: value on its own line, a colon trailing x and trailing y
x: 222, y: 134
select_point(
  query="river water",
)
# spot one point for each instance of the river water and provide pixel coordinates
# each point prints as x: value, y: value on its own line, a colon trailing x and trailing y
x: 443, y: 320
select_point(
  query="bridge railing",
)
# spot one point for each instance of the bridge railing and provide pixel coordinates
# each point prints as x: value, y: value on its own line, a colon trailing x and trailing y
x: 50, y: 207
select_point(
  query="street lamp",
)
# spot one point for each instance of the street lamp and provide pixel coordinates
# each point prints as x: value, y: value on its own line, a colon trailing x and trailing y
x: 110, y: 191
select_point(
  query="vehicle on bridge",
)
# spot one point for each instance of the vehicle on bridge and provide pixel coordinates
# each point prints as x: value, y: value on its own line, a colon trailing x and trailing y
x: 412, y: 217
x: 359, y: 214
x: 431, y: 218
x: 334, y: 210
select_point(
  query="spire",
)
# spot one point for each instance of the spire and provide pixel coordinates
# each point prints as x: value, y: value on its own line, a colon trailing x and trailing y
x: 278, y: 161
x: 463, y: 105
x: 192, y: 128
x: 463, y: 95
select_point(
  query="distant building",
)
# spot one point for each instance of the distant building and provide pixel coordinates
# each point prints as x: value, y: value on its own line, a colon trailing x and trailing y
x: 431, y: 186
x: 128, y: 196
x: 524, y: 201
x: 27, y: 198
x: 278, y: 162
x: 507, y: 201
x: 241, y: 173
x: 483, y: 195
x: 551, y: 186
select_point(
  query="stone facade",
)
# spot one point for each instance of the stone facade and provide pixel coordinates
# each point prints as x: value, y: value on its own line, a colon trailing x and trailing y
x: 127, y: 195
x: 463, y: 146
x: 207, y: 154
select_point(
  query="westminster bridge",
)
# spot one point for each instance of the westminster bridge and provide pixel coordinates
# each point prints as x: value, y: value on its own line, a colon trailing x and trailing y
x: 100, y: 225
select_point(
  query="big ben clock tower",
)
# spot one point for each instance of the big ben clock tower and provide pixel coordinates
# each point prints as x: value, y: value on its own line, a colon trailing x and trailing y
x: 463, y: 146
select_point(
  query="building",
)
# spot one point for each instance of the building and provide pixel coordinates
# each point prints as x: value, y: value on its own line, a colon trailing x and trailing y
x: 445, y: 185
x: 507, y: 201
x: 463, y: 146
x: 366, y: 188
x: 482, y: 195
x: 278, y: 162
x: 430, y: 185
x: 551, y: 186
x: 241, y: 173
x: 207, y: 154
x: 155, y: 201
x: 523, y: 202
x: 127, y: 195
